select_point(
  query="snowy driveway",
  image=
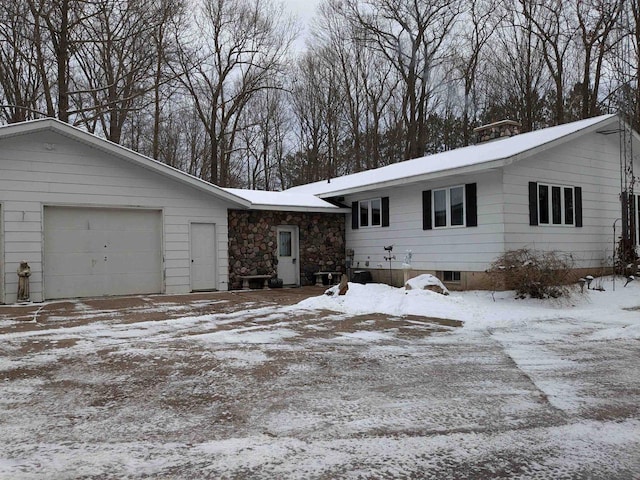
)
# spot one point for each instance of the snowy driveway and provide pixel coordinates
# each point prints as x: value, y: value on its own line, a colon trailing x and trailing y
x: 327, y: 388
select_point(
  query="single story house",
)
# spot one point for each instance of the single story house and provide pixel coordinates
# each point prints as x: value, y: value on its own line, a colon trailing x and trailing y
x: 555, y: 189
x: 92, y: 218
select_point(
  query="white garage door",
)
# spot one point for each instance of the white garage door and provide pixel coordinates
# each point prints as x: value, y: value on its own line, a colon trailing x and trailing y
x: 91, y: 252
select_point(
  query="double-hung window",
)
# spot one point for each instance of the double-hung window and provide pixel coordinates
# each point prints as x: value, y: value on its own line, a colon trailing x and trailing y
x: 373, y: 212
x: 454, y: 206
x: 449, y: 207
x: 370, y: 212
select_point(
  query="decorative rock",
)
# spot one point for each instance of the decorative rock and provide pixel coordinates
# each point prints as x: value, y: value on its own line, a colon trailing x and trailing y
x: 426, y: 282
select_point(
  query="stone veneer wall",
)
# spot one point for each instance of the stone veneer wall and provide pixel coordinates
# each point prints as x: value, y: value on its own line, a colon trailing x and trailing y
x: 253, y: 243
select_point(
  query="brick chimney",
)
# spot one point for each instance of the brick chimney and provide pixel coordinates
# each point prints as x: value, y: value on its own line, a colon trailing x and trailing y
x: 496, y: 131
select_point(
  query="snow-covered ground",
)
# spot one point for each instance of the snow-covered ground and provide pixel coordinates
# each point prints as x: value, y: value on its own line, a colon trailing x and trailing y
x: 379, y: 383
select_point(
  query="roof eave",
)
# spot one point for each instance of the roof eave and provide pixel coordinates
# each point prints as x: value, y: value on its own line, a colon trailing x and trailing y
x: 419, y: 178
x: 492, y: 164
x: 298, y: 208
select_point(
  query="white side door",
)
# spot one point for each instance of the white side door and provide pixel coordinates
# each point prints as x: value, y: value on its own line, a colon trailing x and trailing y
x: 288, y: 254
x: 204, y: 272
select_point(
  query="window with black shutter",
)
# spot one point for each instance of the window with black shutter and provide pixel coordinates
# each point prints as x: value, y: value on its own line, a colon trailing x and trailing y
x: 455, y: 206
x: 555, y: 204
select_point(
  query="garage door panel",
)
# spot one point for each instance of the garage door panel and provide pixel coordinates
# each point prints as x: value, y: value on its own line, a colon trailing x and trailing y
x: 82, y: 286
x: 74, y: 264
x: 119, y: 284
x: 96, y: 252
x: 122, y: 242
x: 78, y: 242
x: 130, y: 263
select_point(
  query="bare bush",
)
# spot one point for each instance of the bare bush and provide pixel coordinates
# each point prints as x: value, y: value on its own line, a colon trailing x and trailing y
x: 532, y: 273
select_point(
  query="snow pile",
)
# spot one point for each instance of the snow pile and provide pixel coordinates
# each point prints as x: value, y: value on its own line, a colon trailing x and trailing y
x: 483, y: 309
x: 380, y: 298
x: 426, y: 280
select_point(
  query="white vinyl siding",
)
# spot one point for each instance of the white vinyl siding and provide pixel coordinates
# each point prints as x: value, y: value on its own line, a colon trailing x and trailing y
x: 458, y: 249
x: 591, y: 162
x: 48, y: 169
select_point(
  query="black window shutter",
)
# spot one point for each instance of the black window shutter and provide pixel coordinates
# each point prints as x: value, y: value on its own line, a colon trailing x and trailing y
x: 426, y: 210
x: 533, y: 203
x: 471, y: 207
x: 578, y: 191
x: 385, y: 211
x: 355, y: 211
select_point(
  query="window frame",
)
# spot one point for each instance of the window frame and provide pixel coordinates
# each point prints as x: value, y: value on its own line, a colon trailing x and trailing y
x: 453, y: 274
x: 550, y: 217
x: 448, y: 210
x: 369, y: 203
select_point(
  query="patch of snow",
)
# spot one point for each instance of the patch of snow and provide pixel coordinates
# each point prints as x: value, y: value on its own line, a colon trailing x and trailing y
x: 482, y: 309
x: 247, y: 336
x: 281, y: 199
x: 366, y: 336
x: 425, y: 280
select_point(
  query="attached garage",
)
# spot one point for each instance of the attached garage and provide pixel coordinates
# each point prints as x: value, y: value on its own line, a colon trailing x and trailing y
x: 90, y: 252
x: 92, y: 218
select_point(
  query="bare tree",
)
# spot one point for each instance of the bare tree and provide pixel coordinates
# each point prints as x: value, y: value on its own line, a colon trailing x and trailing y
x: 366, y: 81
x: 412, y: 36
x: 597, y: 20
x: 263, y: 139
x: 119, y: 64
x: 20, y: 80
x: 308, y: 106
x: 245, y: 46
x: 513, y: 83
x: 55, y: 33
x: 481, y: 21
x: 550, y: 21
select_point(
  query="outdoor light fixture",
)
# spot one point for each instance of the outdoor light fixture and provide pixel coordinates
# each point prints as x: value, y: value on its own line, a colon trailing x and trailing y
x: 589, y: 279
x: 582, y: 281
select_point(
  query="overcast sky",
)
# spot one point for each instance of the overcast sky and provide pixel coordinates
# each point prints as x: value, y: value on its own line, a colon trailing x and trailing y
x: 305, y: 10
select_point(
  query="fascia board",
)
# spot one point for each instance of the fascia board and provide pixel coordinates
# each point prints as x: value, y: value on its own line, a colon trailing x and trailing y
x: 493, y: 164
x: 295, y: 208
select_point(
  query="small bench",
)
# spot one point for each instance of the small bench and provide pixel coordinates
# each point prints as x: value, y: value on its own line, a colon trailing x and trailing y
x: 335, y: 277
x: 247, y: 278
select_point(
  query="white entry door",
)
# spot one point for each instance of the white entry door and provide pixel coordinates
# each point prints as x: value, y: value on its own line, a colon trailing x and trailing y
x: 288, y: 268
x: 204, y: 272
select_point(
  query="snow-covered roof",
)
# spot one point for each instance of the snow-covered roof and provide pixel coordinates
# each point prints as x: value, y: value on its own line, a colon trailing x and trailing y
x: 296, y: 202
x: 462, y: 160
